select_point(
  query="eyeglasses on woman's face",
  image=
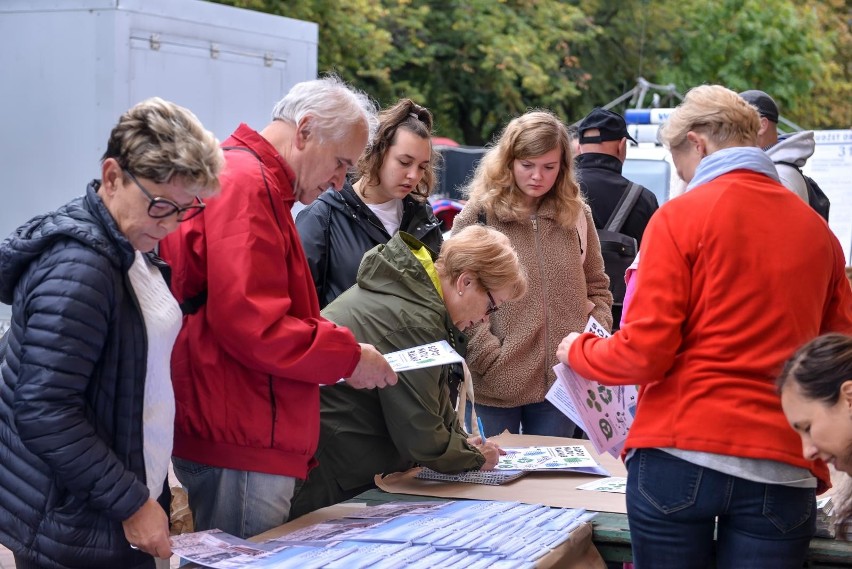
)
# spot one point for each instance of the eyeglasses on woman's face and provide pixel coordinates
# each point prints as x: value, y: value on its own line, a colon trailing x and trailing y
x: 160, y: 208
x: 492, y: 306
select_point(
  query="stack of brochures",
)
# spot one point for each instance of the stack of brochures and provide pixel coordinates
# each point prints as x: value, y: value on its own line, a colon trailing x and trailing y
x: 467, y: 534
x: 488, y: 477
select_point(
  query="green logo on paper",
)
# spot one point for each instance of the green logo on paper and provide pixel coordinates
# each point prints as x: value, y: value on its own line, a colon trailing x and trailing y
x: 606, y: 428
x: 592, y: 401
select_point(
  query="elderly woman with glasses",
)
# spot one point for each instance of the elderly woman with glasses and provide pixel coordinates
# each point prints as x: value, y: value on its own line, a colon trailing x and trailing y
x: 405, y: 298
x: 87, y: 409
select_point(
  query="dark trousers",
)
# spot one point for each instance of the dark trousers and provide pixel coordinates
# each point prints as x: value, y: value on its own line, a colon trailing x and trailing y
x: 673, y: 507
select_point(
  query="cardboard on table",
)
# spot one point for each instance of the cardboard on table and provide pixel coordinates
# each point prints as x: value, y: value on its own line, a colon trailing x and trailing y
x: 554, y: 489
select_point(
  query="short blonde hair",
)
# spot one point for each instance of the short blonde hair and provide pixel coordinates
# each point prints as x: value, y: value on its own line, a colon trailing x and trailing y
x: 161, y: 141
x: 716, y: 112
x: 486, y: 253
x: 527, y: 136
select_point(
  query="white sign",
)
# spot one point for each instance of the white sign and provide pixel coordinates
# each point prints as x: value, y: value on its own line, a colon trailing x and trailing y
x: 831, y: 168
x: 427, y: 355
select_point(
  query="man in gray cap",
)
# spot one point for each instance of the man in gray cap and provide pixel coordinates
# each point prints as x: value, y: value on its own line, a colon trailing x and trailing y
x: 603, y: 137
x: 790, y: 152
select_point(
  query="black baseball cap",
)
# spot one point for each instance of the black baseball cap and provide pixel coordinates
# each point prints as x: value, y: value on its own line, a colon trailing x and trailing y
x: 764, y: 104
x: 610, y: 124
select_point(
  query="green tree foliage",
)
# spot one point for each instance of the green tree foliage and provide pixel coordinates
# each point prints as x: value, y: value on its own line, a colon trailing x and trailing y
x: 801, y: 53
x: 830, y: 105
x: 491, y: 60
x: 477, y: 63
x: 779, y: 46
x: 474, y: 63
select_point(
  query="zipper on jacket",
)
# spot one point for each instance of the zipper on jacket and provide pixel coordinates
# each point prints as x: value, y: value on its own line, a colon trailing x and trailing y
x: 143, y: 476
x: 534, y: 219
x: 274, y: 408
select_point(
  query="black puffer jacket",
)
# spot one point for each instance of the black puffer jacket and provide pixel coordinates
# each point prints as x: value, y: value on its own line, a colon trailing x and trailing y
x: 72, y: 392
x: 338, y: 228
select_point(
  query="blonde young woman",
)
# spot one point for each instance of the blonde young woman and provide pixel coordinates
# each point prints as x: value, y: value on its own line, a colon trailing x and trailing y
x: 395, y: 175
x: 524, y: 187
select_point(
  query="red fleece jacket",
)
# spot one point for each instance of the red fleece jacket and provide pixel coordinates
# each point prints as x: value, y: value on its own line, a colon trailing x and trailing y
x: 246, y: 368
x: 735, y: 276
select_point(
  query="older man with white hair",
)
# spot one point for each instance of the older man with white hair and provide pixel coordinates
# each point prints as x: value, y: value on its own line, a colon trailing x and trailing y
x: 254, y: 349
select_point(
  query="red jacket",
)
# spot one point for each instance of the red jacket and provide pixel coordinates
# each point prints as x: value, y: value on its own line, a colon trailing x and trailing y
x: 247, y: 366
x: 735, y: 276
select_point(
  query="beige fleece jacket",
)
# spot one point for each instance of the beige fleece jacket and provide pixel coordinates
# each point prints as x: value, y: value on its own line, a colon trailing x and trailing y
x: 512, y: 357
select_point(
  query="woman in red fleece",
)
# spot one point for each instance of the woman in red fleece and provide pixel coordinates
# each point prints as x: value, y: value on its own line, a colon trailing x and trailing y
x: 736, y: 274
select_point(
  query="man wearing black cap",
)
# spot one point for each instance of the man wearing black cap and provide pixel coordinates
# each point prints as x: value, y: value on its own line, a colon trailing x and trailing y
x: 768, y: 110
x: 790, y: 152
x: 603, y: 140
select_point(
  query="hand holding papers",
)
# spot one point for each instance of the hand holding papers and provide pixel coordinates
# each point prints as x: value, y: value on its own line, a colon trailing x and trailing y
x: 605, y: 413
x: 417, y: 357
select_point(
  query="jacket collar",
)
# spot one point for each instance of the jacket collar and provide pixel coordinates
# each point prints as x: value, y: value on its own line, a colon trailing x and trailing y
x: 270, y: 157
x: 98, y: 209
x: 730, y: 159
x: 598, y: 160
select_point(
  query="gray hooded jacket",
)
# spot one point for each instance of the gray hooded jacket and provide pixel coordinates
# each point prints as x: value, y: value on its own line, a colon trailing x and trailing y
x: 793, y: 149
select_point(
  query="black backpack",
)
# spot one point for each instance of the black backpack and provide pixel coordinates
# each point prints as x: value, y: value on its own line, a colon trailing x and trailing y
x: 618, y: 249
x: 816, y: 197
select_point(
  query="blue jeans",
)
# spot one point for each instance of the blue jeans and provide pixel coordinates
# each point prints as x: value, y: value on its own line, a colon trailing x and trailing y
x: 533, y: 419
x: 673, y: 506
x: 238, y: 502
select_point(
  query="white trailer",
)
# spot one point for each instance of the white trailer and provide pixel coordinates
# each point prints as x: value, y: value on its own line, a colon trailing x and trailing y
x: 69, y: 68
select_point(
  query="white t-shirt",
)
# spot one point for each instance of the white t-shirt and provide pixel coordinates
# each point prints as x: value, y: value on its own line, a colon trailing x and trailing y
x: 389, y: 213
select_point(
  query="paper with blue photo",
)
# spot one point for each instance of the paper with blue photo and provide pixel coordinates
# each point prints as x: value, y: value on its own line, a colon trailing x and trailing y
x: 604, y: 412
x: 364, y: 555
x: 214, y: 548
x: 427, y: 355
x: 406, y: 528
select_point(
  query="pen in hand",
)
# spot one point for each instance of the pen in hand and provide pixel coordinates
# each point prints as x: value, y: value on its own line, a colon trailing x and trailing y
x: 488, y: 449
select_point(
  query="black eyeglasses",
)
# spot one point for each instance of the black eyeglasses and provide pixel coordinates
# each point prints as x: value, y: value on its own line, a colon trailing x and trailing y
x: 159, y: 208
x: 492, y: 306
